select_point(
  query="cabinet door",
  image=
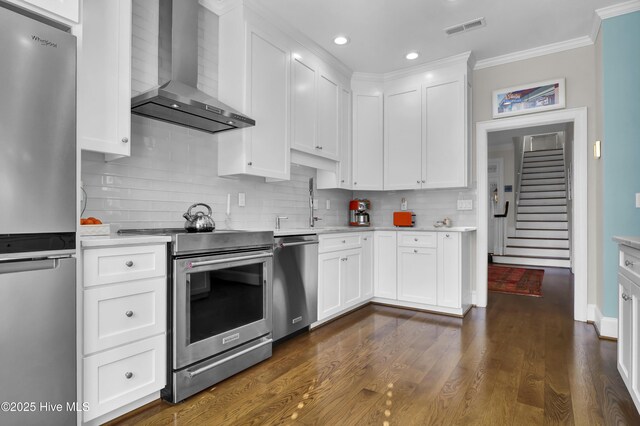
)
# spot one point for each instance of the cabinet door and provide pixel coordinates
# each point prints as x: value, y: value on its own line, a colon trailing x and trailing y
x: 445, y: 153
x: 328, y: 116
x: 367, y: 142
x: 269, y: 100
x: 344, y: 180
x: 352, y: 278
x: 104, y: 77
x: 449, y: 270
x: 384, y: 252
x: 304, y: 99
x: 634, y: 293
x: 417, y: 275
x: 329, y: 279
x: 367, y: 265
x: 403, y: 140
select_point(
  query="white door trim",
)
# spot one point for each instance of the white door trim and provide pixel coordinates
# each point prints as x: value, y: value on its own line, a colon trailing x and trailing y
x: 578, y: 116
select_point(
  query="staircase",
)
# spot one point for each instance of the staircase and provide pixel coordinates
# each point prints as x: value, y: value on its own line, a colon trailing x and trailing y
x: 542, y: 230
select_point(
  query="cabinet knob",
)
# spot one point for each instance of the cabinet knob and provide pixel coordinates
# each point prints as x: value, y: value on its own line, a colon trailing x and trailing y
x: 628, y: 263
x: 344, y: 241
x: 129, y: 263
x: 415, y: 250
x: 355, y: 183
x: 125, y: 140
x: 129, y: 313
x: 424, y: 181
x: 250, y: 163
x: 417, y: 181
x: 365, y: 238
x: 447, y: 235
x: 128, y: 374
x: 415, y: 239
x: 626, y: 297
x: 342, y: 181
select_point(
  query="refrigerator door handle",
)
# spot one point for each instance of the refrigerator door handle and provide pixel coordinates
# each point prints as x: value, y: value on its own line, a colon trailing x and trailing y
x: 33, y: 265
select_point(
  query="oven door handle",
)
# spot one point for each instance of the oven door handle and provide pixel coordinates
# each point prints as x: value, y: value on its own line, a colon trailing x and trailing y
x: 199, y: 371
x: 228, y: 259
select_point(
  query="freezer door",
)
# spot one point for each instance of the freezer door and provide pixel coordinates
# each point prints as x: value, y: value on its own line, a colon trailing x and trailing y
x: 38, y: 335
x: 37, y: 127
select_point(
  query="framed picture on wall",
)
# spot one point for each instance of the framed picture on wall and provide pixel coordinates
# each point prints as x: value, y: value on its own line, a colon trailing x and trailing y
x: 529, y: 98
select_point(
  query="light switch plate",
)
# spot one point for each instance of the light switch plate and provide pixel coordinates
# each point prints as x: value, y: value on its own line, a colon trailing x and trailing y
x: 638, y: 200
x: 241, y: 199
x: 465, y: 204
x: 328, y: 205
x: 315, y: 204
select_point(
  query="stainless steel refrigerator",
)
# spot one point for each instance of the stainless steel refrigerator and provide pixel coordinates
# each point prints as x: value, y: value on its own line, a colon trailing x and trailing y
x: 37, y: 222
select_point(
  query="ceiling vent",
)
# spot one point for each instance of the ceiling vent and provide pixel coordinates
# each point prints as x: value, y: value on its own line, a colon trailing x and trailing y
x: 467, y: 26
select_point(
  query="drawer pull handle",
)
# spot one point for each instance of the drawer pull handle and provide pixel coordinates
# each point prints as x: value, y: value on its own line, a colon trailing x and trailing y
x: 129, y: 313
x: 628, y: 263
x: 129, y: 263
x: 626, y: 297
x: 128, y: 374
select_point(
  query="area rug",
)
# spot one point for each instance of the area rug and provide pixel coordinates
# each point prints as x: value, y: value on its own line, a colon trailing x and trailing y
x: 526, y: 282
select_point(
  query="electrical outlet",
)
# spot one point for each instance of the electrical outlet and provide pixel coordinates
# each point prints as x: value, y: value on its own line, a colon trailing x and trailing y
x: 242, y: 200
x: 315, y: 204
x: 328, y: 205
x: 465, y: 204
x: 403, y: 204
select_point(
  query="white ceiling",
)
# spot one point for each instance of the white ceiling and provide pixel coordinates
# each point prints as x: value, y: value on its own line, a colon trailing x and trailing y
x: 383, y: 31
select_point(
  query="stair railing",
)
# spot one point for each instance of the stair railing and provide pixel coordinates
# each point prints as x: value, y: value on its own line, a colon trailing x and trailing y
x: 519, y: 180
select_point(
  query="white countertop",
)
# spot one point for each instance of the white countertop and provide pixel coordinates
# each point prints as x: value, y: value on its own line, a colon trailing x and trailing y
x: 121, y: 240
x: 338, y: 229
x: 628, y: 241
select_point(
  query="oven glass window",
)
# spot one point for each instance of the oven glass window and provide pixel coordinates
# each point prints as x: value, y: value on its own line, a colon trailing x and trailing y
x: 224, y: 299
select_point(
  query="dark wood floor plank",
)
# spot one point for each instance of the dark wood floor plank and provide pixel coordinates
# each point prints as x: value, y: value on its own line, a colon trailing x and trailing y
x: 521, y: 361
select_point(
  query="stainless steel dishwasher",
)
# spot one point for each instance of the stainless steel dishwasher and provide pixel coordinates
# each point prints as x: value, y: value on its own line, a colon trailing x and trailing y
x: 295, y: 284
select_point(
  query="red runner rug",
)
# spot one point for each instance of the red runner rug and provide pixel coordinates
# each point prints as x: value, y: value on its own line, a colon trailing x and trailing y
x: 504, y: 279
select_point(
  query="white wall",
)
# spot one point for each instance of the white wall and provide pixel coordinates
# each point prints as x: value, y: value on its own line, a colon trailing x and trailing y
x: 578, y: 67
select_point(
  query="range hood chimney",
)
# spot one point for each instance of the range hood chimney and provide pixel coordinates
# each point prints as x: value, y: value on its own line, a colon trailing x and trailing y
x: 178, y: 101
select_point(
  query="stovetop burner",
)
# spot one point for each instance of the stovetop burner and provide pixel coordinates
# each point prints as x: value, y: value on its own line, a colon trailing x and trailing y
x: 183, y: 242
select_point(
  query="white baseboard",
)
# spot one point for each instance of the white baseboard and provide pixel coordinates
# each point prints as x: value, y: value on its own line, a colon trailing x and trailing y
x: 606, y: 326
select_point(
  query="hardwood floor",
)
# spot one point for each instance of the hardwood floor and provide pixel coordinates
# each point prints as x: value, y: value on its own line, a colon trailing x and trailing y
x: 521, y: 361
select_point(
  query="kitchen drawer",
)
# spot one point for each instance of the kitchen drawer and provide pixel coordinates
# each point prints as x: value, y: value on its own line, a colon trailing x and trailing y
x: 630, y: 264
x: 418, y: 239
x: 118, y: 264
x: 123, y: 375
x: 337, y: 242
x: 122, y: 313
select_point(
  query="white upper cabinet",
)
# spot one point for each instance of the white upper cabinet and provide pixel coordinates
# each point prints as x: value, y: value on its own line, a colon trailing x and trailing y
x: 53, y: 9
x: 328, y: 116
x: 367, y: 141
x: 304, y: 102
x: 403, y: 139
x: 345, y: 140
x: 104, y: 78
x: 446, y: 145
x: 254, y: 77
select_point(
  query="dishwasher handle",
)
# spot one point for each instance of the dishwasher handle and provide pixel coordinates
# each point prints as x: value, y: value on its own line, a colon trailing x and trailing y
x: 27, y: 266
x: 297, y: 243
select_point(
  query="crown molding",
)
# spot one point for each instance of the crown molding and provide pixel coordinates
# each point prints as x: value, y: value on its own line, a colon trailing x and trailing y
x: 220, y: 7
x: 618, y: 9
x: 534, y: 52
x: 595, y: 26
x: 462, y: 58
x: 292, y: 32
x: 368, y: 76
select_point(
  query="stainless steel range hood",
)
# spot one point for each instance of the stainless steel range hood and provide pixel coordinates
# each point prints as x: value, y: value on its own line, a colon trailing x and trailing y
x: 178, y: 101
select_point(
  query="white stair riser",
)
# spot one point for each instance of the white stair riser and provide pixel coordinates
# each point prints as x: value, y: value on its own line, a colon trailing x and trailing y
x: 511, y: 260
x: 545, y: 175
x: 542, y: 225
x: 535, y: 164
x: 545, y: 194
x: 552, y: 181
x: 528, y: 154
x: 541, y: 243
x: 535, y: 188
x: 542, y: 209
x: 543, y: 202
x: 537, y: 233
x: 555, y: 157
x: 542, y: 252
x: 541, y: 169
x: 542, y: 217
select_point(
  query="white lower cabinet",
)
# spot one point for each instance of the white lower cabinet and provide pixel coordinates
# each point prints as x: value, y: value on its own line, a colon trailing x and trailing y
x: 417, y: 275
x: 339, y: 281
x: 367, y: 265
x: 124, y: 327
x: 385, y: 264
x: 450, y: 270
x: 629, y: 322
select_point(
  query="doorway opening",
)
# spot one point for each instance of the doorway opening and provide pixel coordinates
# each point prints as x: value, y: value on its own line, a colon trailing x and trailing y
x: 573, y: 124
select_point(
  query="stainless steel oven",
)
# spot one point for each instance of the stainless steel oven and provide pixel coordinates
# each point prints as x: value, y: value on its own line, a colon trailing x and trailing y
x: 220, y: 305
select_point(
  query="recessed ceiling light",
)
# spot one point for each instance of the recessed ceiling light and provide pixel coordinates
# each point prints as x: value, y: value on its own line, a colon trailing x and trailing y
x: 341, y: 40
x: 412, y: 55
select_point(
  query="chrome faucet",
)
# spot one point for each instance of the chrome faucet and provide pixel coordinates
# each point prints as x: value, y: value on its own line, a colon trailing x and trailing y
x: 278, y: 219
